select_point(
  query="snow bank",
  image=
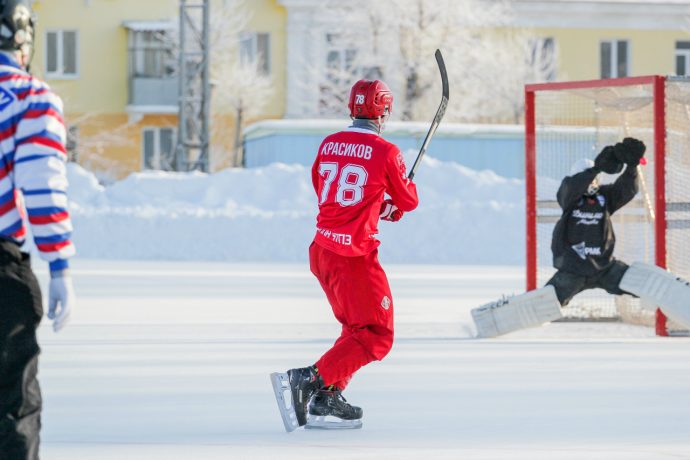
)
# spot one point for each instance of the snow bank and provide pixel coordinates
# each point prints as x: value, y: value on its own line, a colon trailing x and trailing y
x: 268, y: 214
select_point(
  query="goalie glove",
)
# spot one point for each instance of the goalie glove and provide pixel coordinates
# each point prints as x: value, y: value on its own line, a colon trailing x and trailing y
x: 607, y: 161
x: 630, y: 151
x: 389, y: 211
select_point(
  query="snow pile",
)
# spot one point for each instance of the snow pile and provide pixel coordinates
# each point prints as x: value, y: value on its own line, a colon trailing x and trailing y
x: 268, y: 214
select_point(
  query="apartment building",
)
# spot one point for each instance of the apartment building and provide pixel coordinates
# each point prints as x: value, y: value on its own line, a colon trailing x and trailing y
x: 112, y: 62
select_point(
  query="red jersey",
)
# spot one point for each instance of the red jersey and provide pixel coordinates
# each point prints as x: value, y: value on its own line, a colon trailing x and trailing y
x: 352, y: 171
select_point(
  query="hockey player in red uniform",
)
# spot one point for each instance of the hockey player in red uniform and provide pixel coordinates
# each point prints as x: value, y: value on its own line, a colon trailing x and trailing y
x: 353, y: 171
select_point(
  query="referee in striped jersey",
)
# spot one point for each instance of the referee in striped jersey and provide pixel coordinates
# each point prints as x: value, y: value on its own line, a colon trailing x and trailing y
x: 33, y: 188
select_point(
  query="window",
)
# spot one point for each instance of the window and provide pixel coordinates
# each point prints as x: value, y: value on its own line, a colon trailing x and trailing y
x: 255, y: 48
x: 543, y: 57
x: 614, y: 58
x: 682, y: 59
x: 151, y: 54
x: 342, y: 69
x: 158, y: 146
x: 61, y: 54
x: 339, y: 59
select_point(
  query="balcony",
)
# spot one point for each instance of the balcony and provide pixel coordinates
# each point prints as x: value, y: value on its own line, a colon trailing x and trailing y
x: 159, y: 94
x: 153, y: 81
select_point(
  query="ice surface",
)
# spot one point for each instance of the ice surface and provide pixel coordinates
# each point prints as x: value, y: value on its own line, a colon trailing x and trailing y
x: 167, y: 361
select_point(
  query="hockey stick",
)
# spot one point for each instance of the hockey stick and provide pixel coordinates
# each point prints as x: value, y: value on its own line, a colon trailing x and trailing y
x: 439, y: 113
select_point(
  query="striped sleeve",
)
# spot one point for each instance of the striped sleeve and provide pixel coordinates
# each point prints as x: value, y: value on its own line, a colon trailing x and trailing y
x: 40, y: 172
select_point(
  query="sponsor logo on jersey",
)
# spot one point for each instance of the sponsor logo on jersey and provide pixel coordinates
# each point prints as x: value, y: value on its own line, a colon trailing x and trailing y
x: 587, y: 218
x: 6, y: 98
x: 340, y: 238
x: 347, y: 150
x: 583, y: 251
x: 385, y: 302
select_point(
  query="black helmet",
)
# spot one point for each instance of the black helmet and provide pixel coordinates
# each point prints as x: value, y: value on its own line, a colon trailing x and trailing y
x: 16, y: 26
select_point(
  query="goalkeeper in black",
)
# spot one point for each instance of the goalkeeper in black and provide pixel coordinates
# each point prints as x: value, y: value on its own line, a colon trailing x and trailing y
x: 582, y: 246
x: 583, y: 238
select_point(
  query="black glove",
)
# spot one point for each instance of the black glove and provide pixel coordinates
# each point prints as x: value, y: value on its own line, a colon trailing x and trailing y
x: 607, y: 161
x: 630, y: 151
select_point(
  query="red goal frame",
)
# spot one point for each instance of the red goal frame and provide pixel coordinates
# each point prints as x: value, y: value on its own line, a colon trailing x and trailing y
x: 659, y: 134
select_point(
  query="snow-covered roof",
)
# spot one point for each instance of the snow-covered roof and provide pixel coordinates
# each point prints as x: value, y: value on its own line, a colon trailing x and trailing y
x: 320, y: 126
x: 585, y: 14
x: 644, y: 2
x: 148, y: 26
x: 603, y: 14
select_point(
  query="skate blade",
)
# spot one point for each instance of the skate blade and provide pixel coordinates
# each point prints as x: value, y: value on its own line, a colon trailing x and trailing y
x: 281, y: 389
x: 331, y: 423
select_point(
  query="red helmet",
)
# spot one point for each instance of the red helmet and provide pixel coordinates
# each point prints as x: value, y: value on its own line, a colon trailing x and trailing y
x: 370, y: 99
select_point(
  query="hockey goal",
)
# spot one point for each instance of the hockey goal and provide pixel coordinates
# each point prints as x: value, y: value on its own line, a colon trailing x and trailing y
x: 567, y: 121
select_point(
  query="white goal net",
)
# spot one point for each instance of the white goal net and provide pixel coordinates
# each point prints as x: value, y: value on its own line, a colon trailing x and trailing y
x: 570, y: 121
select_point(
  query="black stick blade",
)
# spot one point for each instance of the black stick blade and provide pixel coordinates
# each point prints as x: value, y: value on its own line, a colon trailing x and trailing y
x: 439, y: 113
x: 444, y: 74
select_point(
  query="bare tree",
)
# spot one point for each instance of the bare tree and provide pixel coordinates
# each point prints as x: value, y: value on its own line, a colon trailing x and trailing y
x: 238, y: 79
x: 487, y: 60
x: 88, y: 142
x: 240, y: 89
x: 530, y: 60
x: 353, y: 49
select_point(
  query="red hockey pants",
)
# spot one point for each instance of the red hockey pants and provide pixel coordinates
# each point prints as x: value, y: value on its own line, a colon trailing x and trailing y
x: 358, y: 291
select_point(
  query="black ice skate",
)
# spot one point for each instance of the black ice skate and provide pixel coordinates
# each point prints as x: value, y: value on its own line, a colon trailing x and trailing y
x: 293, y: 390
x: 329, y: 410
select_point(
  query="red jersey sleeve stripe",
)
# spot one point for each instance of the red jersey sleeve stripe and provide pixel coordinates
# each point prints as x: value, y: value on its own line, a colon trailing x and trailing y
x: 49, y: 219
x: 37, y: 113
x: 23, y: 94
x: 8, y: 132
x: 19, y: 234
x: 53, y: 247
x: 15, y: 76
x: 5, y: 169
x: 7, y: 207
x: 45, y: 141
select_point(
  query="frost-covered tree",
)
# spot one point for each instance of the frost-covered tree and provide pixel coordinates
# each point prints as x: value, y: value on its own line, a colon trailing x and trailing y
x: 89, y: 140
x: 488, y: 61
x: 531, y: 60
x: 238, y: 81
x: 239, y: 88
x: 351, y: 52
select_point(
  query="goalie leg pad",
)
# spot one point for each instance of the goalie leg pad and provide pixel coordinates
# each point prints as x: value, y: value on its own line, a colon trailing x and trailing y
x: 530, y: 309
x: 659, y: 287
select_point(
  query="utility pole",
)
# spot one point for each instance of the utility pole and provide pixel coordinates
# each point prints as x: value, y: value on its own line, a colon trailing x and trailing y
x: 192, y: 152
